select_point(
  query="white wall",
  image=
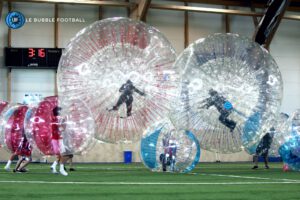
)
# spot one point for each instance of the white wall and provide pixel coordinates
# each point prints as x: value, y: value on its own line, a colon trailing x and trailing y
x: 285, y: 50
x: 171, y: 24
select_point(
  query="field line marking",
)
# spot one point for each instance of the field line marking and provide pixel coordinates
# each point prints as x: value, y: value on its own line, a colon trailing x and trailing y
x: 248, y: 177
x: 148, y: 183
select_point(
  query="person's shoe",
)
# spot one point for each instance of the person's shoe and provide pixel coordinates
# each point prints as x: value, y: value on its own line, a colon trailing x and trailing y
x: 7, y: 168
x: 267, y: 167
x: 16, y: 171
x: 72, y: 169
x: 255, y: 167
x: 53, y: 170
x: 128, y: 114
x: 22, y: 170
x: 63, y: 172
x: 285, y: 168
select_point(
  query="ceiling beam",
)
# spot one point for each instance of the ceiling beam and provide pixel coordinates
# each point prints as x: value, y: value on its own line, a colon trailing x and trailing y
x: 140, y: 12
x: 204, y: 10
x: 216, y: 11
x: 83, y: 2
x: 165, y: 7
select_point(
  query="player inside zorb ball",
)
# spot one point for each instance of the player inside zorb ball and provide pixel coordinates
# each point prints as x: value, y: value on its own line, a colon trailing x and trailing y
x: 231, y: 92
x: 122, y: 70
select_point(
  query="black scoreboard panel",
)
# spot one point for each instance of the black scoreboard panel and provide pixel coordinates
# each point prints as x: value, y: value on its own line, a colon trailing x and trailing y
x: 32, y: 57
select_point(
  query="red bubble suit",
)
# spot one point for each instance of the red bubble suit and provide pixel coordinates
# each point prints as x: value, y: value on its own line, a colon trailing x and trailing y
x: 59, y: 127
x: 40, y: 123
x: 14, y: 127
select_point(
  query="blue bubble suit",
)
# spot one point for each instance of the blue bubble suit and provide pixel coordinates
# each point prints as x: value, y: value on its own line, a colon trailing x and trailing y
x: 231, y: 91
x: 165, y: 148
x: 290, y: 144
x: 277, y: 135
x: 122, y: 69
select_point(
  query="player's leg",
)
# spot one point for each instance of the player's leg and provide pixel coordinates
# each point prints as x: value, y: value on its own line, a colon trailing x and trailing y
x: 26, y: 161
x: 8, y: 164
x: 56, y: 151
x: 255, y: 160
x: 21, y: 159
x: 120, y: 101
x: 129, y: 105
x: 63, y: 159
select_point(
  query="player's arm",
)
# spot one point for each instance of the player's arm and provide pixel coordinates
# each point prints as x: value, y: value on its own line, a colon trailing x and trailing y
x: 206, y: 103
x: 138, y: 91
x: 122, y: 88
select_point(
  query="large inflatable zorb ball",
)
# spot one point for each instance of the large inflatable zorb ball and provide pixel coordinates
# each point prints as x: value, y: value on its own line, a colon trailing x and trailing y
x: 165, y: 148
x: 12, y: 127
x: 232, y: 91
x: 276, y: 134
x: 122, y: 69
x: 279, y: 135
x: 3, y: 107
x: 58, y: 127
x: 290, y: 144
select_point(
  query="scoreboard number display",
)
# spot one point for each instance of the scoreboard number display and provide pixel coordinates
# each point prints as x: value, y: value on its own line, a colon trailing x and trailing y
x: 32, y: 57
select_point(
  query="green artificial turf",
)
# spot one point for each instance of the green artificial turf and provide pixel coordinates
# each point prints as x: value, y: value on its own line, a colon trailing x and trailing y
x: 230, y: 181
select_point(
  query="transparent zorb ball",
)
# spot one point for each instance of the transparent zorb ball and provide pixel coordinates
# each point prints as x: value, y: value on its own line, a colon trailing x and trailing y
x: 279, y: 135
x: 122, y: 69
x: 3, y: 107
x: 289, y: 149
x: 231, y: 92
x: 164, y: 148
x: 78, y: 126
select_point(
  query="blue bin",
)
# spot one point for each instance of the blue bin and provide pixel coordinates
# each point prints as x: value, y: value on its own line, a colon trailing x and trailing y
x: 127, y: 157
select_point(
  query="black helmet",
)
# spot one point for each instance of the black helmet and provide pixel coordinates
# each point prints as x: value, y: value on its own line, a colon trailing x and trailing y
x: 129, y: 81
x: 212, y: 92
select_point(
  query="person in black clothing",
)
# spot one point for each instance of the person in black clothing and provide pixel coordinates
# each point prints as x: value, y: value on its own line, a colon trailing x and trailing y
x: 222, y: 105
x: 24, y: 152
x: 127, y: 90
x: 263, y: 149
x: 168, y: 158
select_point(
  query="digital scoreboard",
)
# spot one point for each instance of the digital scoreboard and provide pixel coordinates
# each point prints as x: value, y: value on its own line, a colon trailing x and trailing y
x: 32, y: 57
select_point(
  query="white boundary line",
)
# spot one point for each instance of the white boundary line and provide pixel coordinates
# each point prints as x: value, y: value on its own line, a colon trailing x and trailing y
x: 249, y: 177
x: 147, y: 183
